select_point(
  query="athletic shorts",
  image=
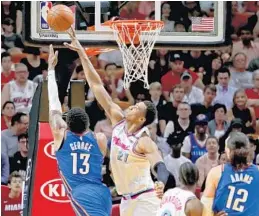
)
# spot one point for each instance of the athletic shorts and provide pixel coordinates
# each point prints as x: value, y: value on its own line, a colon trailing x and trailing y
x: 91, y: 200
x: 146, y: 204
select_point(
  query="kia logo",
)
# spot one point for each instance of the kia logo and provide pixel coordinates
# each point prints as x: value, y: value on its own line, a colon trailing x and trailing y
x: 49, y: 150
x: 54, y: 190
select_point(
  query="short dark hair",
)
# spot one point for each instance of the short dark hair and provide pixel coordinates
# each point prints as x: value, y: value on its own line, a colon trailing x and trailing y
x: 238, y: 142
x: 77, y: 120
x: 79, y: 68
x: 218, y: 106
x: 223, y: 70
x: 22, y: 136
x: 17, y: 118
x: 4, y: 55
x: 244, y: 28
x: 211, y: 87
x: 151, y: 112
x: 8, y: 102
x: 109, y: 64
x: 14, y: 174
x: 188, y: 174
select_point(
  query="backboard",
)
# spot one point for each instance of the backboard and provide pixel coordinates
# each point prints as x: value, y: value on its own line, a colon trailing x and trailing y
x: 187, y: 24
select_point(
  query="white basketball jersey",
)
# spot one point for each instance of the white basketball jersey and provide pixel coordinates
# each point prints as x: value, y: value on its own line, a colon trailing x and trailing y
x: 22, y: 96
x: 174, y: 201
x: 130, y: 170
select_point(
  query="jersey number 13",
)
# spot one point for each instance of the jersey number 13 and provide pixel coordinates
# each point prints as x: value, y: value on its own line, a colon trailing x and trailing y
x: 82, y: 158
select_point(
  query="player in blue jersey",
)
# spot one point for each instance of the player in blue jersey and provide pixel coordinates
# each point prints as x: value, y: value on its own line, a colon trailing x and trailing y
x: 233, y: 187
x: 79, y: 154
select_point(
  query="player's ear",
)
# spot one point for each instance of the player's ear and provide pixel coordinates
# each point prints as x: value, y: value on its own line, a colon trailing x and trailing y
x: 142, y: 119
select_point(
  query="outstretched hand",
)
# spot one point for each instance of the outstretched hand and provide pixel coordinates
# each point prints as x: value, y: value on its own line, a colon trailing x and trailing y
x: 159, y: 189
x: 75, y: 44
x: 53, y: 58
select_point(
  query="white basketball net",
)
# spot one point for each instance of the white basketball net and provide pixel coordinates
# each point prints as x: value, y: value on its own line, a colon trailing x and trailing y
x: 136, y: 56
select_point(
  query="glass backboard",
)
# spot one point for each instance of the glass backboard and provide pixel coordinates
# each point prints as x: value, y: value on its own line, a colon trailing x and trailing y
x: 189, y: 24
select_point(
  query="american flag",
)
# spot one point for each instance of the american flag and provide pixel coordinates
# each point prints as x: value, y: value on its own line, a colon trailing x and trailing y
x: 202, y: 24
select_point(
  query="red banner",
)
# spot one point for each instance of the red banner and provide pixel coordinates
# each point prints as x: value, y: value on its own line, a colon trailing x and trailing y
x: 49, y: 196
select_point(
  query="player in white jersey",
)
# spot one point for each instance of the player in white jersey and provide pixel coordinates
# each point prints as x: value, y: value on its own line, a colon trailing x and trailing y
x: 133, y: 153
x: 181, y: 201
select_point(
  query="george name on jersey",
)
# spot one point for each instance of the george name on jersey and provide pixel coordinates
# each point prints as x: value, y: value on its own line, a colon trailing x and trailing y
x: 240, y: 177
x: 80, y: 146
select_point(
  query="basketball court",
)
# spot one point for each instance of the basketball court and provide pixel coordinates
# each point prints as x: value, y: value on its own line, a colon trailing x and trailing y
x: 44, y: 192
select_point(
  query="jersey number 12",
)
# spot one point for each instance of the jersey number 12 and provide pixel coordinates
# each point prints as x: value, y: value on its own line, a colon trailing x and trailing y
x: 237, y: 205
x: 85, y: 165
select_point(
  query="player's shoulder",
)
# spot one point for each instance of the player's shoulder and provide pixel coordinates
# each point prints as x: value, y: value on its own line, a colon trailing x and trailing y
x: 216, y: 171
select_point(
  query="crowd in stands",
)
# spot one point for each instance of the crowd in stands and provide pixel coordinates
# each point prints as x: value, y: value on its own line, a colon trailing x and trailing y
x: 201, y: 96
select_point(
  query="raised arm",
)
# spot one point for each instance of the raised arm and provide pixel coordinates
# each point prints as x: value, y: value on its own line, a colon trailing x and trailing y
x: 57, y: 124
x: 149, y: 148
x: 113, y: 111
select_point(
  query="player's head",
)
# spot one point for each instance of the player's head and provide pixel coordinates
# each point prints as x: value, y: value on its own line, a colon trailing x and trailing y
x: 15, y: 182
x: 237, y: 149
x: 142, y: 113
x: 188, y: 174
x: 77, y: 120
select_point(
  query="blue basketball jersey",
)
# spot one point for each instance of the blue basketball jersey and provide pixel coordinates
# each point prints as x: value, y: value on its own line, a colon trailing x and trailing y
x: 80, y: 159
x: 238, y: 192
x: 196, y: 150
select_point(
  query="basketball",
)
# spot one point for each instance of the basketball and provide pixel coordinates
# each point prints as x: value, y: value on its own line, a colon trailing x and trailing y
x: 60, y: 18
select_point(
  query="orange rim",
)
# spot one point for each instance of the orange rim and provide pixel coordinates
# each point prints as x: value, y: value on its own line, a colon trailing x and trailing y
x: 96, y: 51
x: 131, y: 26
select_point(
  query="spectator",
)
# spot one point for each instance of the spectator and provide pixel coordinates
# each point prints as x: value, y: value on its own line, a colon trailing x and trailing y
x: 253, y: 143
x: 225, y: 92
x: 20, y: 90
x: 174, y: 160
x: 205, y: 107
x: 8, y: 111
x: 95, y: 113
x: 5, y: 168
x: 240, y: 110
x: 168, y: 111
x: 219, y: 125
x: 155, y: 92
x: 104, y: 126
x: 183, y: 125
x: 223, y: 158
x: 172, y: 78
x: 131, y: 11
x: 19, y: 161
x: 246, y: 45
x: 253, y: 94
x: 179, y: 27
x: 209, y: 160
x: 165, y: 17
x: 42, y: 77
x: 34, y: 63
x: 158, y: 65
x: 192, y: 94
x: 210, y: 74
x: 196, y: 61
x: 240, y: 78
x: 110, y: 57
x: 9, y: 137
x: 12, y: 10
x: 194, y: 144
x: 7, y: 73
x: 11, y: 199
x: 162, y: 145
x: 236, y: 125
x: 11, y: 40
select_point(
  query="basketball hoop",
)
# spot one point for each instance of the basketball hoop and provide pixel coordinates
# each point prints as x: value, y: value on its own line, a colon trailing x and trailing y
x: 136, y: 39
